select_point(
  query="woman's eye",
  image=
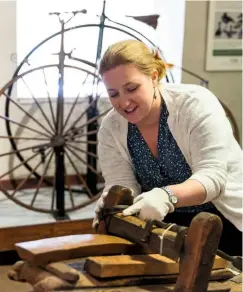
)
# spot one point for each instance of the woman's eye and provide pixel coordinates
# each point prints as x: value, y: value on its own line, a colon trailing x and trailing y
x: 131, y: 89
x: 113, y: 95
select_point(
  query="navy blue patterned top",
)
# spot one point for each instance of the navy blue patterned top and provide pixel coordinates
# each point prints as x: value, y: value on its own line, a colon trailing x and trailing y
x: 169, y: 168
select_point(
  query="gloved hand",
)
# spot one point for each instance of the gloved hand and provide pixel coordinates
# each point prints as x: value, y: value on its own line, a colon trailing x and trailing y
x: 98, y: 208
x: 154, y: 205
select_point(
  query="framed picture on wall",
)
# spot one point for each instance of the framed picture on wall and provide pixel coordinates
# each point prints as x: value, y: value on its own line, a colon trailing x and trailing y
x: 224, y: 36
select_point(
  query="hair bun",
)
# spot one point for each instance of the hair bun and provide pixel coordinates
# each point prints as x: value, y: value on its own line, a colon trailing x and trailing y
x: 157, y: 57
x: 156, y: 54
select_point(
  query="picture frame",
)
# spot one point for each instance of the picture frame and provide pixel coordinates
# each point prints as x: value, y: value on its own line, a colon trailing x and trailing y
x: 224, y: 36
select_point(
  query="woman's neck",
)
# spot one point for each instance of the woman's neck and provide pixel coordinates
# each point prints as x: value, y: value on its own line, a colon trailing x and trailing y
x: 152, y: 120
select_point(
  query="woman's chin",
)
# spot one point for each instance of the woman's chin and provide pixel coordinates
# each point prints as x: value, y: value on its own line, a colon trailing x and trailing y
x: 134, y: 120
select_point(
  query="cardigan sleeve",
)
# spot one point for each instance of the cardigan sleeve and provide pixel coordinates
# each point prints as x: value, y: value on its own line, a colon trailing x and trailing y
x: 116, y: 170
x: 209, y: 135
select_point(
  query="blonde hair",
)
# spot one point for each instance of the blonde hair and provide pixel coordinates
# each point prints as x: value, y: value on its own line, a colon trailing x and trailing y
x: 133, y: 52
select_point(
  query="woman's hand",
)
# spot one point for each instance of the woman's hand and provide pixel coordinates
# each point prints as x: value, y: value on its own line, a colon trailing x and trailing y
x: 154, y: 205
x: 99, y: 206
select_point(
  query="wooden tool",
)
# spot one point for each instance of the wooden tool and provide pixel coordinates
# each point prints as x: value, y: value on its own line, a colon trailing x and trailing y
x: 235, y: 260
x: 137, y: 230
x: 119, y: 196
x: 196, y: 248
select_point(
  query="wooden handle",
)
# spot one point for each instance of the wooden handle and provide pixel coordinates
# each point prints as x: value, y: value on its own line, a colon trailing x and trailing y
x: 199, y: 252
x: 118, y: 195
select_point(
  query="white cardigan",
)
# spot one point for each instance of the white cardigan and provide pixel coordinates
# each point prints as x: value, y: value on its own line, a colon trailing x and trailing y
x: 202, y: 131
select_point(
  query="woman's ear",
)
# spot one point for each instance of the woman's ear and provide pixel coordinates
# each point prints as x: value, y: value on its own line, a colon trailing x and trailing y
x: 155, y: 77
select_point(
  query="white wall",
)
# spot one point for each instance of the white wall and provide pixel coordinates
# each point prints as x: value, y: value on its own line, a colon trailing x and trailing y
x: 227, y: 86
x: 170, y: 32
x: 7, y: 67
x: 8, y: 39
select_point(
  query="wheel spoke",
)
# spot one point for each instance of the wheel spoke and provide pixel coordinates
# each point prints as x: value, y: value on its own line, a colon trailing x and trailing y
x: 83, y: 151
x: 92, y: 120
x: 82, y: 142
x: 38, y: 105
x: 84, y: 134
x: 79, y: 175
x: 82, y: 160
x: 80, y: 117
x: 53, y: 192
x: 69, y: 187
x: 19, y: 186
x: 23, y: 138
x: 73, y: 106
x: 27, y: 114
x: 41, y: 179
x: 17, y: 166
x: 24, y: 126
x: 77, y: 130
x: 24, y: 149
x: 49, y: 98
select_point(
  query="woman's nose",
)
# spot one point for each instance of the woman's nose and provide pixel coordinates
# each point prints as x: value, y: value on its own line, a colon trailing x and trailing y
x: 124, y: 102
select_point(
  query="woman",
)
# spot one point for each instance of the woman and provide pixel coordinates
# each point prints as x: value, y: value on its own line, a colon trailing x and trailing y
x: 172, y: 144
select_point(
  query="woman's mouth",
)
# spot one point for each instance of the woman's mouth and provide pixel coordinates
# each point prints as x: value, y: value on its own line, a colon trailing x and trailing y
x: 130, y: 110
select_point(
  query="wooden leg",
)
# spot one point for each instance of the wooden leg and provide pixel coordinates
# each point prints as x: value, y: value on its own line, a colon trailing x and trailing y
x: 199, y: 252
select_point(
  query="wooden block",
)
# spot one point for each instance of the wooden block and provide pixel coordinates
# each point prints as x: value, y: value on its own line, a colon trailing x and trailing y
x: 136, y: 265
x: 34, y: 275
x: 63, y: 271
x: 55, y: 249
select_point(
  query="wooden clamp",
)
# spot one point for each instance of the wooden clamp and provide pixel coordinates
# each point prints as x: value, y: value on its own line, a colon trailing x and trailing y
x: 146, y: 234
x: 196, y: 248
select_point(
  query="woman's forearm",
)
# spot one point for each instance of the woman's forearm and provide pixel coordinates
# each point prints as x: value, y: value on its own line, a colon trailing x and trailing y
x: 189, y: 193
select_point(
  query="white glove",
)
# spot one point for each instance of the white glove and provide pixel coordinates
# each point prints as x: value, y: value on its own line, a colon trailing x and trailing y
x: 154, y: 205
x: 98, y: 208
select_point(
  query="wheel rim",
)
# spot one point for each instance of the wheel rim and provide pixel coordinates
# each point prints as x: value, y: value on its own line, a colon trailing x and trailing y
x: 69, y: 142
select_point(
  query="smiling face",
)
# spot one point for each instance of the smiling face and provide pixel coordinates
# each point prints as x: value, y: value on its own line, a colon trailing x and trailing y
x: 131, y: 92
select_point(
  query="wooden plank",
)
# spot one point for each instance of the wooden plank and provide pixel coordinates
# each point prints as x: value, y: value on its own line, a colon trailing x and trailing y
x: 136, y: 265
x: 55, y: 249
x: 9, y: 236
x: 41, y: 279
